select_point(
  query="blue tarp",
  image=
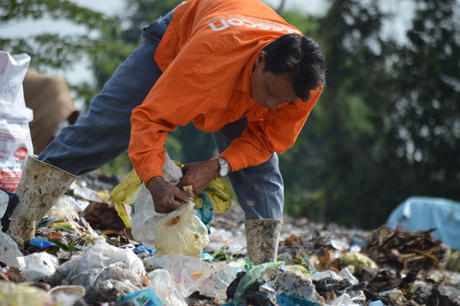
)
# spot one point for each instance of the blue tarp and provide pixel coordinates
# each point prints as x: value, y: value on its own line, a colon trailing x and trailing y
x: 424, y: 213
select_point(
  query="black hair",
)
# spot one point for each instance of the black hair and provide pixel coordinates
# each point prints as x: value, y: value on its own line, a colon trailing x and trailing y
x: 301, y: 57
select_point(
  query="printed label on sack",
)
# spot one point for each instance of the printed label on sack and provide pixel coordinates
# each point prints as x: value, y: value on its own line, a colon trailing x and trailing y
x: 9, y: 180
x: 21, y: 153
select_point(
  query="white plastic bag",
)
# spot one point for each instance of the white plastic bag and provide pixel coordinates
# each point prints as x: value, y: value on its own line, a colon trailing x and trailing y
x: 145, y: 217
x: 39, y: 266
x: 15, y: 139
x: 102, y: 269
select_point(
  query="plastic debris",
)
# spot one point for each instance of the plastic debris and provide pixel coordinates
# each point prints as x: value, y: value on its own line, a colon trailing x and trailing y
x: 359, y: 261
x: 251, y: 277
x: 87, y: 194
x: 343, y: 300
x: 39, y: 266
x: 19, y: 295
x: 143, y: 297
x: 162, y: 283
x: 67, y: 207
x: 285, y: 300
x: 125, y: 194
x: 181, y: 231
x: 376, y: 303
x: 216, y: 285
x: 104, y: 270
x: 191, y: 274
x: 219, y: 195
x: 78, y: 291
x: 297, y: 285
x: 10, y: 253
x: 40, y: 242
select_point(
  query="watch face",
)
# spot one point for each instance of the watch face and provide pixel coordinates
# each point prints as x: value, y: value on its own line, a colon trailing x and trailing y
x: 223, y: 171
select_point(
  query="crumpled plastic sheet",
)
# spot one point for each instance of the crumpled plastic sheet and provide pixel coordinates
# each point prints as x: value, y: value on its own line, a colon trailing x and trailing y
x: 85, y: 193
x: 295, y: 284
x: 12, y: 294
x: 103, y: 270
x: 192, y: 274
x: 10, y: 253
x: 162, y: 283
x: 216, y: 286
x: 39, y: 266
x: 221, y: 237
x: 67, y: 207
x: 344, y: 300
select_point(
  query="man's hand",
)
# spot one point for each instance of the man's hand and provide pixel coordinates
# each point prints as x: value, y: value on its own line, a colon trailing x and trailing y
x: 199, y: 174
x: 166, y: 197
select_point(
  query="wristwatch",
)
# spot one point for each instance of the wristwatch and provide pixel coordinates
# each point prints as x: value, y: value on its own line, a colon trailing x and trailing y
x: 223, y: 166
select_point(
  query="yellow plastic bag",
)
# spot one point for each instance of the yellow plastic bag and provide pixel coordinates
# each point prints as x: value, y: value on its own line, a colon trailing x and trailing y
x: 219, y: 195
x: 181, y: 231
x: 126, y: 193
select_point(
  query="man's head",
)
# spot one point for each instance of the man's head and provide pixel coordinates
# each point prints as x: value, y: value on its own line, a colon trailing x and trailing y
x: 286, y: 70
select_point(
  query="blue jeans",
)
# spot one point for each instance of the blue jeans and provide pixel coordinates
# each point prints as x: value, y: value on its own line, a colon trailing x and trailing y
x: 103, y: 132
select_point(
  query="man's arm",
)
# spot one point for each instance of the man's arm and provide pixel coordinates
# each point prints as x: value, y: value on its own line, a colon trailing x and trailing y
x: 264, y: 137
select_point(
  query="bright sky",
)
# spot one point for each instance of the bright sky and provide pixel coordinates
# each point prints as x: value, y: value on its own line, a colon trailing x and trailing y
x: 402, y: 8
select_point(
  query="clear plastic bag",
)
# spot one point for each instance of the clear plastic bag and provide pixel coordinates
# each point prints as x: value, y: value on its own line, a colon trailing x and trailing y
x: 10, y: 253
x: 181, y: 232
x: 161, y: 282
x: 104, y: 270
x: 65, y: 207
x: 217, y: 284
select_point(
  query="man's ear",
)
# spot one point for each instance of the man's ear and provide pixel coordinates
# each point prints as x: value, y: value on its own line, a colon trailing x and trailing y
x: 260, y: 59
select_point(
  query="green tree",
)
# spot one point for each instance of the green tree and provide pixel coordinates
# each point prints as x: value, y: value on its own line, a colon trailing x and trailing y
x: 387, y: 125
x: 426, y: 116
x: 52, y: 50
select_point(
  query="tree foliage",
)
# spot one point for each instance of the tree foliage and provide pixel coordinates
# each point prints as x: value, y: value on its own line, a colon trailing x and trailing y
x: 386, y: 126
x: 52, y: 50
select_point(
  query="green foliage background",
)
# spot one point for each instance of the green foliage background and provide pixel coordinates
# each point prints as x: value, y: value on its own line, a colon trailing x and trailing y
x: 387, y: 126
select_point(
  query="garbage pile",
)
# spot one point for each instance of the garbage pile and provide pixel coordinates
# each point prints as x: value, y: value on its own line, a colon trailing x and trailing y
x: 84, y: 253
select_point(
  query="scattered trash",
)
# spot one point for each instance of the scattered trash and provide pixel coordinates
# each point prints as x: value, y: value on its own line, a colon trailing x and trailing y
x: 86, y: 255
x: 104, y: 270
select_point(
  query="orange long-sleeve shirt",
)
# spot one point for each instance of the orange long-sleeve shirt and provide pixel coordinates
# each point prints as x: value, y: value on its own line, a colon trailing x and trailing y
x: 207, y: 56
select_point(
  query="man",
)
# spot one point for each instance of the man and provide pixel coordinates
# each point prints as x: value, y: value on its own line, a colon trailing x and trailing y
x: 233, y: 67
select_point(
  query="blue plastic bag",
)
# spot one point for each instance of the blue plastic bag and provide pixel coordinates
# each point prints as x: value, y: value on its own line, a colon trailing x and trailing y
x: 40, y: 242
x: 146, y: 297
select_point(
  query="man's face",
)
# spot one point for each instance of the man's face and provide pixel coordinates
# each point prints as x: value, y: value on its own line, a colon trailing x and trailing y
x: 270, y: 90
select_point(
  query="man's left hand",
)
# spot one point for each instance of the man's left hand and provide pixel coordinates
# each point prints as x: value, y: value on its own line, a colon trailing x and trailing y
x: 199, y: 175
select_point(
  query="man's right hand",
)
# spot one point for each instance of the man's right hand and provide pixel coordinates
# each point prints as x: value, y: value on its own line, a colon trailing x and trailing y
x: 166, y: 197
